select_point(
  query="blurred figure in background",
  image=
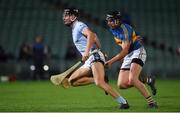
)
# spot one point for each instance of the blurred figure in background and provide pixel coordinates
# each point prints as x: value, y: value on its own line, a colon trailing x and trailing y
x: 39, y: 55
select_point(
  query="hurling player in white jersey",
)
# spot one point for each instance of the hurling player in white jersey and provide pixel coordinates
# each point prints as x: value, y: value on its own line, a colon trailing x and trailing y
x: 92, y: 71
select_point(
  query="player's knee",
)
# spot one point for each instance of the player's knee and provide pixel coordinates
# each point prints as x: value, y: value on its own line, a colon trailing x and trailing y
x: 131, y: 81
x: 122, y: 85
x: 99, y: 83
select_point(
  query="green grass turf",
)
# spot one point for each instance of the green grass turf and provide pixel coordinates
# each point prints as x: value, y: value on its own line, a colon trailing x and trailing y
x: 43, y: 96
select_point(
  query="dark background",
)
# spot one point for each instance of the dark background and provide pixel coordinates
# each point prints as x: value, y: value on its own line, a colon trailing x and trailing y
x: 157, y: 21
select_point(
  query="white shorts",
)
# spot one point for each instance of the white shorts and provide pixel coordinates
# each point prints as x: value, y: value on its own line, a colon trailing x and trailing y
x: 95, y: 57
x: 137, y: 56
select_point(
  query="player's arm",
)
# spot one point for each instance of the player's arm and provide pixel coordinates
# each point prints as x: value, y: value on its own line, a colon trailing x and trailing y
x: 90, y: 41
x: 125, y: 49
x: 97, y: 42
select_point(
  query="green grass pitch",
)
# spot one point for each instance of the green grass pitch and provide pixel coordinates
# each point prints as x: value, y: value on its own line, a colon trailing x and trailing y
x: 34, y: 96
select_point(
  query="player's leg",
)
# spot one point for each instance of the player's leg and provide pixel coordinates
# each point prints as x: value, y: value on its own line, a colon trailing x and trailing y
x: 134, y: 73
x: 83, y: 81
x: 134, y: 79
x: 98, y: 74
x: 150, y: 81
x: 123, y: 79
x: 81, y: 76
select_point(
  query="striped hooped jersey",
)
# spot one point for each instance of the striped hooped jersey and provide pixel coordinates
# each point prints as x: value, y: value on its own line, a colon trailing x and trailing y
x: 124, y: 32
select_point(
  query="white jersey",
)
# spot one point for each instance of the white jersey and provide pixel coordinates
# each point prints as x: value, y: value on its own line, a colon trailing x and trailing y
x: 137, y: 56
x: 79, y: 39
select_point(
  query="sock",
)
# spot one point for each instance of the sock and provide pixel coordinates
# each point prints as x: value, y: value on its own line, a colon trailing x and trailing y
x: 150, y: 100
x: 121, y: 100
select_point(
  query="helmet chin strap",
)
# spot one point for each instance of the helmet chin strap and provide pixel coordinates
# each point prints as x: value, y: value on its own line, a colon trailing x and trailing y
x: 73, y: 19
